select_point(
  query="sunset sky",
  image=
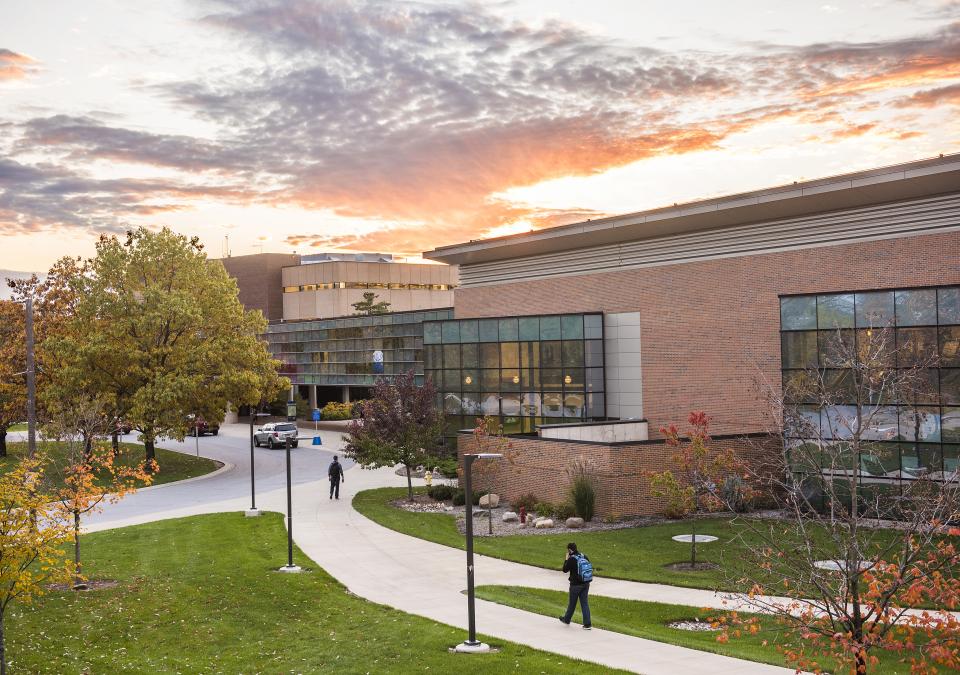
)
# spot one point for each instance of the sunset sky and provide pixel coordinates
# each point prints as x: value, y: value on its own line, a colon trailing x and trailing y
x: 315, y: 125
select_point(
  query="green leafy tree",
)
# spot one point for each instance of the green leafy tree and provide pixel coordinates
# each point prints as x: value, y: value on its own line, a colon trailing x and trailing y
x: 399, y: 424
x: 159, y: 332
x: 368, y: 306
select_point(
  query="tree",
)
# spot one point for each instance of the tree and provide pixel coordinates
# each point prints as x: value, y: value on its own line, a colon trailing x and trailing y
x: 13, y: 390
x: 159, y: 334
x: 398, y: 424
x: 32, y: 534
x: 368, y: 307
x: 700, y: 478
x: 845, y: 584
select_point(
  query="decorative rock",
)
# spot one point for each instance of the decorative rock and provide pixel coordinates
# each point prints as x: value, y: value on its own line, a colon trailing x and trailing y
x: 574, y: 522
x: 510, y: 517
x: 490, y: 501
x: 543, y: 524
x: 448, y: 508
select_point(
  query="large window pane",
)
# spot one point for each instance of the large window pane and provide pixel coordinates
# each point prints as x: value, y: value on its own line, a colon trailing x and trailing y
x: 470, y: 356
x: 802, y: 421
x: 917, y: 385
x: 799, y: 350
x: 490, y: 355
x: 529, y: 354
x: 917, y: 347
x: 433, y: 355
x: 551, y: 354
x: 451, y: 356
x: 951, y: 462
x: 490, y: 403
x: 451, y: 404
x: 431, y: 333
x: 838, y: 387
x: 572, y: 354
x: 551, y: 379
x: 509, y: 355
x: 594, y: 378
x: 509, y: 332
x: 469, y: 330
x: 917, y: 307
x: 948, y: 300
x: 529, y: 328
x: 470, y: 379
x: 879, y: 423
x: 950, y: 386
x: 880, y: 459
x: 573, y: 403
x: 530, y: 404
x: 595, y: 405
x: 837, y: 348
x: 489, y: 331
x: 839, y: 421
x: 874, y: 309
x: 950, y: 346
x: 510, y: 379
x: 471, y: 404
x: 593, y: 326
x: 571, y: 327
x: 918, y: 459
x: 800, y: 386
x: 593, y: 353
x: 950, y: 425
x: 530, y: 378
x: 552, y: 404
x: 835, y: 311
x: 549, y: 327
x: 798, y: 313
x: 919, y: 424
x: 510, y: 404
x: 573, y: 377
x: 451, y: 331
x: 451, y: 380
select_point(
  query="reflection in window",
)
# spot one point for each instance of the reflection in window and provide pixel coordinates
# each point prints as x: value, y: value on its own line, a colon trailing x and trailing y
x: 917, y: 307
x: 917, y: 346
x: 919, y: 424
x: 948, y: 305
x: 874, y: 309
x: 950, y: 425
x: 799, y: 350
x: 490, y: 403
x: 950, y: 346
x: 552, y: 404
x: 835, y: 311
x: 798, y: 313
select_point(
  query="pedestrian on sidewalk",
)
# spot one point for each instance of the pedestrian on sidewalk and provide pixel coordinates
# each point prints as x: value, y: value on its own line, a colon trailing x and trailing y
x: 335, y: 474
x: 581, y: 574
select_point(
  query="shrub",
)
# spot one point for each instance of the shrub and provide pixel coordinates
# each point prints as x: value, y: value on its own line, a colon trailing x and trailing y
x: 336, y: 411
x: 527, y: 501
x: 733, y: 492
x: 459, y: 498
x: 611, y: 518
x: 447, y: 466
x: 564, y: 511
x: 440, y: 492
x: 544, y: 509
x: 583, y: 491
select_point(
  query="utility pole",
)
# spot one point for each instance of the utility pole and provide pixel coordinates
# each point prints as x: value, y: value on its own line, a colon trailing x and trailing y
x: 31, y: 384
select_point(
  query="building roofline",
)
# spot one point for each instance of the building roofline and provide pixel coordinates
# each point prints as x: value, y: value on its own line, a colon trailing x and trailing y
x: 897, y: 182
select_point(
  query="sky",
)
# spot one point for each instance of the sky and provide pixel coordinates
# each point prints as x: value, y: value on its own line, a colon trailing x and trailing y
x: 315, y: 125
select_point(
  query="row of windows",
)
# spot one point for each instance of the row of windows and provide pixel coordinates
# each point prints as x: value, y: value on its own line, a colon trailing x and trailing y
x: 358, y: 380
x: 407, y: 357
x: 904, y: 347
x: 515, y: 329
x: 909, y: 307
x: 928, y: 385
x: 885, y: 461
x: 513, y: 379
x: 346, y: 346
x: 414, y: 318
x: 567, y: 405
x: 296, y: 370
x: 351, y: 333
x: 929, y: 424
x: 367, y: 284
x: 512, y: 424
x: 523, y: 355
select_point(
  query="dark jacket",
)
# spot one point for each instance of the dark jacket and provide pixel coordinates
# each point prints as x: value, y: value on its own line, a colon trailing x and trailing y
x: 570, y: 565
x: 335, y: 472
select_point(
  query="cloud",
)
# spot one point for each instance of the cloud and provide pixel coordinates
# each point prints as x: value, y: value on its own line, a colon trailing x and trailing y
x: 416, y: 114
x: 929, y: 98
x: 14, y: 66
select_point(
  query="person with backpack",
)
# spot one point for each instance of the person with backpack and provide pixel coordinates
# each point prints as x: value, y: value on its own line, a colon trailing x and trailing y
x: 581, y: 574
x: 335, y: 474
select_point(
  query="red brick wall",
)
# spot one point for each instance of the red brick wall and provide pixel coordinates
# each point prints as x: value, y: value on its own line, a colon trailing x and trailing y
x: 540, y: 466
x: 710, y: 328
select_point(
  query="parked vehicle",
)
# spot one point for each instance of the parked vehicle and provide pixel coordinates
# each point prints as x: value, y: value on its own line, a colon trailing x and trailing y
x: 274, y: 435
x: 201, y: 427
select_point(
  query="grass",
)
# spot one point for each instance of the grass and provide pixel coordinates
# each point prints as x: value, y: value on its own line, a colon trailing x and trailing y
x: 649, y: 620
x: 18, y: 427
x: 199, y: 594
x: 174, y: 466
x: 634, y: 554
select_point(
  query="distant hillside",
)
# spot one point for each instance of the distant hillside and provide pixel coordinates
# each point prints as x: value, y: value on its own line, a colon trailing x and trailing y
x: 10, y: 274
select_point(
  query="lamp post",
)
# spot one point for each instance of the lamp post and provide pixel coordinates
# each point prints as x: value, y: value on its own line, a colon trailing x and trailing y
x: 290, y: 567
x: 472, y: 645
x: 253, y: 511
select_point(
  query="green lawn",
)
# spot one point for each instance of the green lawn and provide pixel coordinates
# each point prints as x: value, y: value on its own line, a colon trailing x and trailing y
x: 635, y: 554
x: 18, y: 427
x: 174, y: 466
x: 200, y: 595
x: 649, y: 620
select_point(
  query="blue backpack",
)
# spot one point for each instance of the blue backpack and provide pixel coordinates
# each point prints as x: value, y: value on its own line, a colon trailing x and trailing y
x: 584, y: 568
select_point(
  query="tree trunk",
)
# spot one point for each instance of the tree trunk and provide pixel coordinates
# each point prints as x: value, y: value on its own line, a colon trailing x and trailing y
x: 3, y: 443
x: 77, y: 579
x: 150, y: 453
x: 115, y: 443
x: 87, y: 445
x: 409, y: 484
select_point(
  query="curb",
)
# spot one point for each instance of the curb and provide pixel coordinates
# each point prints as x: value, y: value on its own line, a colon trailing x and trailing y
x: 226, y: 466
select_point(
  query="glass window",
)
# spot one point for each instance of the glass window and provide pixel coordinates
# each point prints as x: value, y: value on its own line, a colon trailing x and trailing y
x: 880, y: 459
x: 530, y: 378
x: 919, y: 459
x: 594, y: 379
x: 529, y: 354
x: 508, y: 330
x: 551, y: 354
x: 950, y: 346
x: 490, y: 355
x: 876, y: 347
x: 838, y: 387
x: 572, y: 353
x: 571, y: 327
x: 510, y: 379
x: 489, y: 331
x: 431, y: 333
x: 433, y: 355
x: 595, y: 405
x: 469, y: 356
x: 573, y: 377
x: 451, y: 331
x: 950, y: 425
x: 839, y: 421
x: 948, y: 305
x: 593, y: 326
x: 469, y: 330
x: 451, y: 404
x: 799, y: 386
x: 835, y: 311
x: 573, y: 403
x: 490, y: 379
x: 880, y: 423
x: 917, y: 346
x: 552, y: 404
x: 471, y: 404
x: 470, y: 379
x: 802, y: 421
x: 549, y: 327
x: 875, y: 309
x: 950, y: 386
x: 917, y: 307
x: 951, y: 462
x: 798, y: 313
x: 916, y: 385
x: 510, y: 404
x: 551, y: 379
x: 919, y: 424
x: 799, y: 350
x: 451, y: 380
x: 490, y: 403
x: 529, y: 328
x: 837, y: 348
x: 530, y: 404
x: 593, y: 353
x: 451, y: 356
x: 509, y: 355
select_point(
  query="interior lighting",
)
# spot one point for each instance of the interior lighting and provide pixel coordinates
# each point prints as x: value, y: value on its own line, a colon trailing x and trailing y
x: 567, y: 379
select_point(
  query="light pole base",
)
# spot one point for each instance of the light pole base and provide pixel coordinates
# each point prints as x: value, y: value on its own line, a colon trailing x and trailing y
x: 472, y: 648
x: 251, y: 513
x: 291, y: 569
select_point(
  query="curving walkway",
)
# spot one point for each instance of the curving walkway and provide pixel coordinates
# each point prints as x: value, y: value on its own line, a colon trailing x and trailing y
x: 410, y: 574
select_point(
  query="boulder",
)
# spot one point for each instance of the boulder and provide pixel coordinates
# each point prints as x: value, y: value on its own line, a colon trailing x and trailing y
x: 448, y: 508
x: 510, y: 517
x: 575, y: 523
x: 490, y: 501
x: 543, y: 524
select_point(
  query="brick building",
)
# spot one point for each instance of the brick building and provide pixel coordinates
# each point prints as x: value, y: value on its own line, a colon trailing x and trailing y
x: 699, y: 303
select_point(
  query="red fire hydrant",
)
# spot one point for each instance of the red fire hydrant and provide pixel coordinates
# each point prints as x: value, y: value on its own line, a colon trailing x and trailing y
x: 523, y: 514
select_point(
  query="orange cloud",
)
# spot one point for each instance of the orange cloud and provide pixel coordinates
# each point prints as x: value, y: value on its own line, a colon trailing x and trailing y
x: 14, y: 66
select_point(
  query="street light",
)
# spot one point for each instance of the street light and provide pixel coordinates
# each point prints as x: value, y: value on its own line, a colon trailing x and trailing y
x: 290, y: 567
x: 253, y: 511
x: 472, y: 645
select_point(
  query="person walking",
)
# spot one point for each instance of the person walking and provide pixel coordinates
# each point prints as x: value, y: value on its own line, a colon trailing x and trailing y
x: 335, y: 474
x: 581, y: 574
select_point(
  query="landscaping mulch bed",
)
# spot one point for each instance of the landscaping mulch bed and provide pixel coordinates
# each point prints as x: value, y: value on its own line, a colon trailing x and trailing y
x: 696, y: 567
x: 89, y: 585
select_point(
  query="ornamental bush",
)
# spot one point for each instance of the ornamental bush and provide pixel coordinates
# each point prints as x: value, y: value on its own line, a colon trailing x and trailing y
x: 527, y: 501
x: 583, y: 491
x: 337, y: 411
x: 440, y: 492
x: 459, y: 499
